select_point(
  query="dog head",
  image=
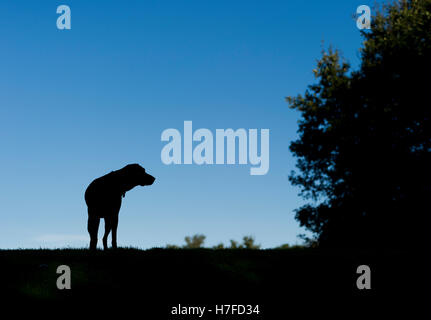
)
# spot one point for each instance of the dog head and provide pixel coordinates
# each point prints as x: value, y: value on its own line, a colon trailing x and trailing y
x: 139, y: 174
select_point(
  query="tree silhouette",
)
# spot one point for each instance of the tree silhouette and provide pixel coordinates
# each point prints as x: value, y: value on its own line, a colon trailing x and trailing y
x: 364, y: 136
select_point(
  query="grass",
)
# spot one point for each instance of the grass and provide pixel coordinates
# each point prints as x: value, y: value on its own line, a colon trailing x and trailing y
x: 160, y: 278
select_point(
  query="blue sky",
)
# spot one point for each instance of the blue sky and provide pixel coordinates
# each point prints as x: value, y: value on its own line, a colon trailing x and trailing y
x: 76, y: 104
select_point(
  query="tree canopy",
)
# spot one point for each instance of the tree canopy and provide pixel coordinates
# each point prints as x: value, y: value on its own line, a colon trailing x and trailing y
x: 363, y: 151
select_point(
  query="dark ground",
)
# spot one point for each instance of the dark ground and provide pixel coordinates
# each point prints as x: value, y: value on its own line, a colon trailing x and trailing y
x: 149, y: 283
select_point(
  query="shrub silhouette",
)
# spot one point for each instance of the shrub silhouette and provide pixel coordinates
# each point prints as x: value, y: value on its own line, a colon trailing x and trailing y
x: 197, y: 241
x: 194, y: 242
x: 234, y: 244
x: 247, y: 243
x: 219, y: 246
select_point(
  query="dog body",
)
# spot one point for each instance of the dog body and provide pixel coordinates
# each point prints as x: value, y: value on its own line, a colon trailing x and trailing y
x: 103, y: 198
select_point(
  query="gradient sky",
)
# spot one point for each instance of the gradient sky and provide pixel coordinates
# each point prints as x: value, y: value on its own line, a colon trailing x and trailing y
x: 77, y: 104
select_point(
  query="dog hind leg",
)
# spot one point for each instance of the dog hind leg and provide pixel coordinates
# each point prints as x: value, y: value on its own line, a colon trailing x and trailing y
x: 108, y: 227
x: 93, y: 228
x: 114, y: 231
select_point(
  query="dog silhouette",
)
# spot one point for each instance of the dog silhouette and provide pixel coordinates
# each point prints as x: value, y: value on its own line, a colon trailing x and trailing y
x: 103, y: 198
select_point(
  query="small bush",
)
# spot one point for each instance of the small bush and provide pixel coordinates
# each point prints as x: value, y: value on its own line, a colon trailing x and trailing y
x: 194, y: 242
